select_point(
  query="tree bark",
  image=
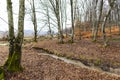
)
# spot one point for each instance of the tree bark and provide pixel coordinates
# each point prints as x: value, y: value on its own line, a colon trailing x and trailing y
x: 58, y: 20
x: 111, y: 3
x: 48, y: 17
x: 98, y: 21
x: 11, y: 30
x: 14, y: 61
x: 34, y: 21
x: 72, y: 21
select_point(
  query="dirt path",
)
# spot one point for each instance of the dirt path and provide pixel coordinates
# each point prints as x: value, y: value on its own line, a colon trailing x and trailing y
x: 3, y: 44
x: 78, y: 63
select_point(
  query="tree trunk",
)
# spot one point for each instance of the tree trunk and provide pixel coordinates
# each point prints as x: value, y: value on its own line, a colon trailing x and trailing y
x: 34, y: 22
x: 111, y: 3
x: 97, y: 22
x: 11, y: 30
x: 14, y: 61
x: 110, y: 27
x: 118, y: 22
x: 72, y: 21
x: 58, y: 20
x: 48, y: 17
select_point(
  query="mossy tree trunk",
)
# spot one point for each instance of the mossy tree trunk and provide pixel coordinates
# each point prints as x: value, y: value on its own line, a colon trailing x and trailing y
x: 13, y: 64
x: 15, y: 61
x: 11, y: 30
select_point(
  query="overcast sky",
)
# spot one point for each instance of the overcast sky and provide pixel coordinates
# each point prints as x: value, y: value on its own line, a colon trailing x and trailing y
x: 28, y: 24
x: 4, y: 20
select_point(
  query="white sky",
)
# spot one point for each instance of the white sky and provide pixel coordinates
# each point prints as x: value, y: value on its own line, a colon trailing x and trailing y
x: 28, y: 24
x: 3, y: 15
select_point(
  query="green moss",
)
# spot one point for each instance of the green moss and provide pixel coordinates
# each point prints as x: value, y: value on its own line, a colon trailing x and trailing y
x: 2, y: 74
x: 14, y: 64
x: 7, y: 62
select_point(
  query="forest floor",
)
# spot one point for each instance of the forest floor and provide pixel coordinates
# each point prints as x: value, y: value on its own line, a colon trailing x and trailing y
x: 86, y: 51
x: 41, y: 67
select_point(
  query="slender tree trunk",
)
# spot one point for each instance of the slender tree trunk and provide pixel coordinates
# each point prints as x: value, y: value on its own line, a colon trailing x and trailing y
x: 118, y: 22
x: 58, y: 20
x: 66, y: 19
x: 103, y: 28
x: 34, y: 22
x: 11, y: 30
x: 94, y: 16
x: 72, y: 21
x: 109, y: 24
x: 98, y: 20
x: 56, y: 8
x: 50, y: 31
x: 111, y: 3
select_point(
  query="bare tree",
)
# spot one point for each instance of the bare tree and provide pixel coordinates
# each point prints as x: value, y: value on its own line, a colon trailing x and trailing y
x: 32, y: 12
x: 98, y: 19
x: 34, y: 21
x: 111, y: 4
x: 72, y: 20
x: 11, y: 28
x: 13, y: 64
x: 56, y: 9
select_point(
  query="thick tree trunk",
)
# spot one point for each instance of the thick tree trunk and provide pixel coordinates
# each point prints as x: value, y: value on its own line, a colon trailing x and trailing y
x: 13, y: 64
x: 14, y: 61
